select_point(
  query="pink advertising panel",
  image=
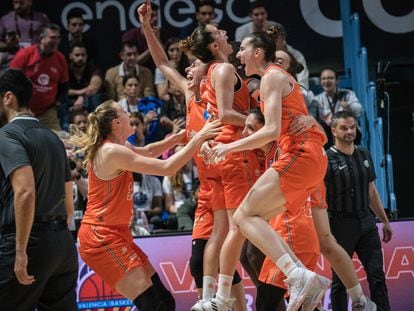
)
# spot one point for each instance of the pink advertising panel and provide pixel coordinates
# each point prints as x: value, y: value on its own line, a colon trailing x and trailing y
x: 170, y: 257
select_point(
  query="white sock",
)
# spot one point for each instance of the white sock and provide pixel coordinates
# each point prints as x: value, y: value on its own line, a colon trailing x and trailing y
x: 287, y: 265
x: 209, y: 285
x: 356, y: 293
x: 224, y: 286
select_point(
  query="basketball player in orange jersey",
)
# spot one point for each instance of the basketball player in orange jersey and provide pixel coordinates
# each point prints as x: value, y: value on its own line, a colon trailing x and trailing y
x: 297, y: 173
x: 251, y: 258
x: 227, y: 98
x: 105, y: 241
x: 296, y: 229
x: 196, y: 117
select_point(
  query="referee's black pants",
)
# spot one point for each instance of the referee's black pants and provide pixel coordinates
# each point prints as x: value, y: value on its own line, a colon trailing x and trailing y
x: 52, y: 260
x: 360, y: 236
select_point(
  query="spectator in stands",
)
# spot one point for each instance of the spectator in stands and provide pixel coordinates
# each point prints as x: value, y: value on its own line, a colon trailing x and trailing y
x: 149, y: 107
x: 129, y: 66
x: 177, y: 189
x: 180, y: 61
x: 352, y: 201
x: 137, y: 122
x: 334, y: 99
x: 47, y: 68
x: 75, y: 36
x: 205, y: 14
x: 303, y: 76
x: 175, y: 107
x: 85, y: 84
x: 186, y: 213
x: 131, y: 86
x: 148, y: 199
x: 80, y: 120
x: 136, y: 37
x: 259, y: 22
x: 20, y: 28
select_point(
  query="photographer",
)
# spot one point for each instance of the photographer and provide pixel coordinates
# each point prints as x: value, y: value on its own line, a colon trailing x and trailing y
x: 80, y: 193
x: 79, y: 120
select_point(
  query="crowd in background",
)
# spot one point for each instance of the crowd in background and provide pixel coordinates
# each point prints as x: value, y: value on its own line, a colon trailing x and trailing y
x: 68, y: 85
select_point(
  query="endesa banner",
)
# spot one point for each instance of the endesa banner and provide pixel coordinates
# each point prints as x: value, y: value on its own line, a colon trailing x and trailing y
x: 170, y: 257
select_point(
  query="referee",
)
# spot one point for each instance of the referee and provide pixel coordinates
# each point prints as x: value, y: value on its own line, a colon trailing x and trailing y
x: 38, y: 258
x: 352, y: 202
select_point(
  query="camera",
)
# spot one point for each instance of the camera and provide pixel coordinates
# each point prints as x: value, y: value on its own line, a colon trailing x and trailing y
x: 72, y: 164
x: 11, y: 34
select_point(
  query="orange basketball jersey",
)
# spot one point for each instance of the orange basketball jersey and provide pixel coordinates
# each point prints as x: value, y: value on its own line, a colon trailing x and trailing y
x: 241, y: 103
x: 107, y: 200
x: 293, y: 105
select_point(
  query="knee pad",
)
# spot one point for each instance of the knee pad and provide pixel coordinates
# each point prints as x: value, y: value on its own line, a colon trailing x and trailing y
x: 196, y: 261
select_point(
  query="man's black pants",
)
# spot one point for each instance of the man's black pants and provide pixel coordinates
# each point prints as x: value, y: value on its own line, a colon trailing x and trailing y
x: 360, y: 236
x: 53, y: 261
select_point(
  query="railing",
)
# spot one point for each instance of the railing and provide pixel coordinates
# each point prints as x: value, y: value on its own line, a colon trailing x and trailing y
x: 356, y: 77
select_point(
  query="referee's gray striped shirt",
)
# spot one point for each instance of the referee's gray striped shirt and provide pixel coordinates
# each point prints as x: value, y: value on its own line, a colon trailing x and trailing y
x: 347, y: 181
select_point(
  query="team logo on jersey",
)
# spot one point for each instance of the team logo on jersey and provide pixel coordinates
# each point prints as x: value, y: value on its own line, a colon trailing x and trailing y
x: 130, y: 191
x: 43, y: 79
x: 366, y: 163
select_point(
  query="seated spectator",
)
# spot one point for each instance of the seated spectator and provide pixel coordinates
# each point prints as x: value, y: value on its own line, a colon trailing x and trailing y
x: 149, y: 107
x: 75, y: 36
x: 156, y: 127
x: 19, y: 29
x: 137, y: 122
x: 175, y: 107
x: 334, y: 99
x: 136, y: 37
x: 131, y: 99
x: 85, y: 84
x: 148, y: 199
x: 79, y: 119
x: 303, y: 76
x: 259, y: 22
x: 176, y: 189
x: 186, y: 213
x: 205, y: 14
x: 129, y: 66
x: 180, y: 61
x: 47, y: 68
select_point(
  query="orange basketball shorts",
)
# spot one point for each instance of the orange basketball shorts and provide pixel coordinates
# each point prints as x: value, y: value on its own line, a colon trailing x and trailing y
x: 233, y: 178
x: 301, y: 169
x: 109, y: 251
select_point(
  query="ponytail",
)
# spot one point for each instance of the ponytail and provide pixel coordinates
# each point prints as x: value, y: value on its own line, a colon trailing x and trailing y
x: 197, y: 44
x: 99, y: 127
